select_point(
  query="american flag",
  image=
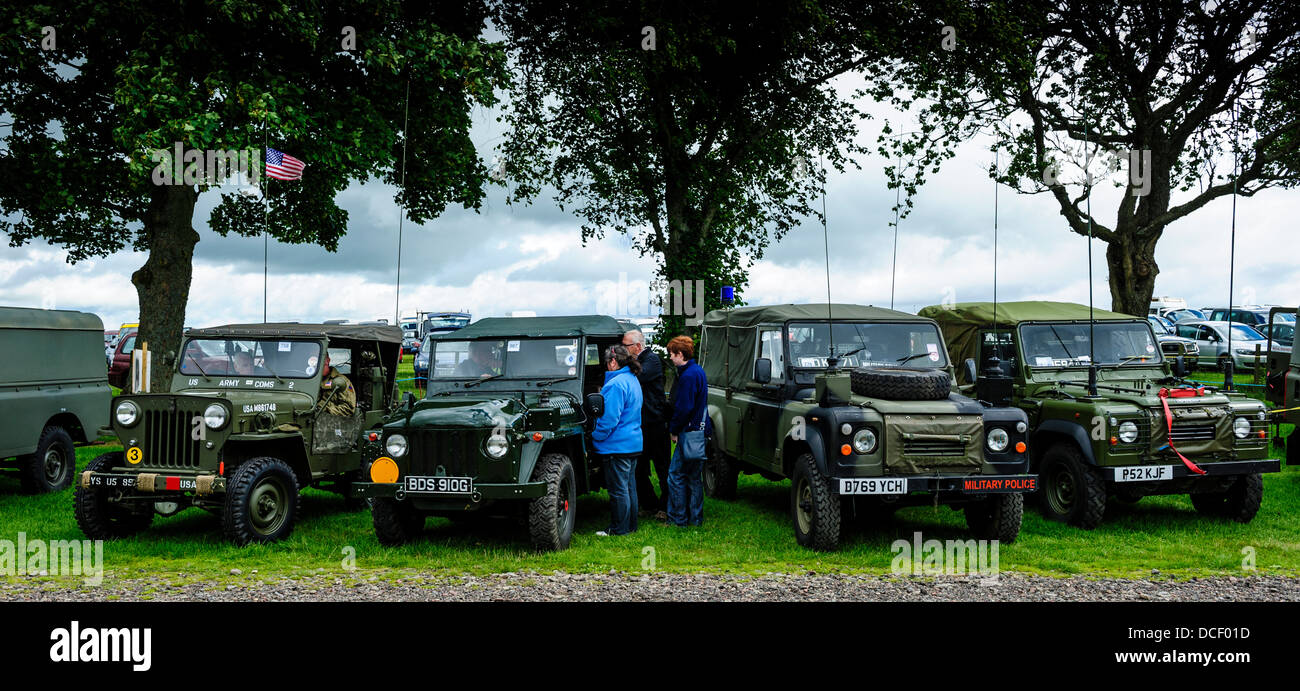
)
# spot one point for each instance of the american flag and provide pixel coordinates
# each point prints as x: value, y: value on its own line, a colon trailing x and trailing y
x: 282, y: 166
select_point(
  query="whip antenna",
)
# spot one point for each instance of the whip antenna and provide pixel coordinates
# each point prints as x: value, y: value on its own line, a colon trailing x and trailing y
x: 831, y: 361
x: 406, y: 138
x: 1092, y: 322
x: 1232, y: 255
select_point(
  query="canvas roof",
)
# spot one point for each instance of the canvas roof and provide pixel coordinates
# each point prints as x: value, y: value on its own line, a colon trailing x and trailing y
x: 31, y: 318
x: 538, y: 327
x: 358, y: 332
x: 768, y: 314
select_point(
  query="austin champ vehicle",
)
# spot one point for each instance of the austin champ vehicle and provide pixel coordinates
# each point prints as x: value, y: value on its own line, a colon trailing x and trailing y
x: 855, y: 405
x: 1109, y: 415
x: 251, y: 419
x: 503, y: 429
x: 53, y: 392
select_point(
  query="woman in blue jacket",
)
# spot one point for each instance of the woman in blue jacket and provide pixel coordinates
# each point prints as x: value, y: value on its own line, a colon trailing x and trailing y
x: 617, y: 437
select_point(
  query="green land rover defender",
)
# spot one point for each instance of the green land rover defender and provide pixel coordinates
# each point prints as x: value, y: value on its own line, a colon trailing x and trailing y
x: 855, y: 405
x: 244, y: 428
x: 1140, y: 431
x: 502, y: 429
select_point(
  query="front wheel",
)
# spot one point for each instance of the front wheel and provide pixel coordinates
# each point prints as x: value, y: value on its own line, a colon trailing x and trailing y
x: 396, y: 522
x: 50, y: 469
x: 261, y: 502
x: 1240, y: 502
x: 816, y: 511
x: 98, y: 516
x: 551, y: 516
x: 1071, y: 491
x: 996, y: 518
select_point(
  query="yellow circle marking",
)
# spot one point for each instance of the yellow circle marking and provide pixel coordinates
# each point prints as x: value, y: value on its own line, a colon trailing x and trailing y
x: 134, y: 455
x: 384, y: 470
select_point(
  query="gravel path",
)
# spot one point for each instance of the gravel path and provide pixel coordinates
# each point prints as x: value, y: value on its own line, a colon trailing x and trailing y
x: 621, y: 587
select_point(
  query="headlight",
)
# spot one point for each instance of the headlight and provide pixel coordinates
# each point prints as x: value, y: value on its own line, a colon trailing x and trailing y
x: 1242, y: 351
x: 127, y: 413
x: 1021, y: 427
x: 864, y: 441
x: 1128, y: 432
x: 998, y: 439
x: 214, y: 416
x: 1241, y: 427
x: 396, y: 445
x: 497, y: 446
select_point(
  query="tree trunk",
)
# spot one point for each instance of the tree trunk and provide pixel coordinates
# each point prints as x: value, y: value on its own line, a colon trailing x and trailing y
x: 1133, y: 271
x: 163, y: 283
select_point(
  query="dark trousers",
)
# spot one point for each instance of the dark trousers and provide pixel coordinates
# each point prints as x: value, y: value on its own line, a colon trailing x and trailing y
x: 622, y: 496
x: 655, y: 445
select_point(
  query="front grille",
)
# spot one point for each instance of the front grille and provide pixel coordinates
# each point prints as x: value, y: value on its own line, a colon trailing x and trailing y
x: 456, y: 451
x: 168, y: 440
x: 930, y: 447
x: 1191, y: 432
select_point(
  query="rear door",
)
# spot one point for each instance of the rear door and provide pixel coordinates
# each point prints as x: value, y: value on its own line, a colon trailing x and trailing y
x: 760, y: 421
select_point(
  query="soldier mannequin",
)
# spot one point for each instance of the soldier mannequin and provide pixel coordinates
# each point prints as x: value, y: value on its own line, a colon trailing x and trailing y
x: 336, y: 393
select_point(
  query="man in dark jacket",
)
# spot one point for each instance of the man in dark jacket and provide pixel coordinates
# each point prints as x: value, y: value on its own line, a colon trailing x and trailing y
x: 654, y: 425
x: 690, y: 400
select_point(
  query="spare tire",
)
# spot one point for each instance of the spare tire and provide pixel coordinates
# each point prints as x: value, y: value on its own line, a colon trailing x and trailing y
x: 900, y: 384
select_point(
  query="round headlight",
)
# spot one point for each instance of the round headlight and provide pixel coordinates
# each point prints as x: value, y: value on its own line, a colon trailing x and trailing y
x: 214, y: 416
x: 864, y: 441
x: 1128, y: 432
x: 1021, y: 427
x: 497, y: 446
x: 127, y: 413
x: 998, y: 439
x: 396, y: 445
x: 1241, y: 427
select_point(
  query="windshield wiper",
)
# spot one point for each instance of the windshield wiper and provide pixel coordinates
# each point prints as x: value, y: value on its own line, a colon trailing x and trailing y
x: 490, y: 377
x: 1061, y: 341
x: 1126, y: 360
x: 273, y: 374
x: 196, y: 364
x: 548, y: 382
x: 911, y: 357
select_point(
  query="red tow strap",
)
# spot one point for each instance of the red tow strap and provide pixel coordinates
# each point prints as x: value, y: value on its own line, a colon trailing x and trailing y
x: 1165, y: 395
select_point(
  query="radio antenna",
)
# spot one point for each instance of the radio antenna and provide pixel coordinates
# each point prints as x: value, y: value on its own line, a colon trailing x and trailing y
x: 1230, y: 365
x: 831, y: 361
x: 406, y: 138
x: 1092, y: 322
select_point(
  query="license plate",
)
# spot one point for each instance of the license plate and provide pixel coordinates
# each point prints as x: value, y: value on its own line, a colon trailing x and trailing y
x: 856, y: 485
x: 427, y: 484
x: 1141, y: 473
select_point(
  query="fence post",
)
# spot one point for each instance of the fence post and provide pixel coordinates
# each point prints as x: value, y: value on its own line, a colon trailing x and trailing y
x: 1257, y: 360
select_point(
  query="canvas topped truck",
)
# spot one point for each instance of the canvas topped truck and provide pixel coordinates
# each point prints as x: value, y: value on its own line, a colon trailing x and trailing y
x: 243, y: 430
x: 1141, y: 430
x: 54, y: 393
x: 1282, y: 385
x: 502, y: 430
x: 855, y: 405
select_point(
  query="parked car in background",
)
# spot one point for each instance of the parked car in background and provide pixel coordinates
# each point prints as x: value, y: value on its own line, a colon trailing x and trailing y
x: 1163, y: 303
x: 421, y: 362
x: 410, y: 342
x: 1182, y: 315
x: 119, y: 363
x: 1250, y: 316
x: 1281, y: 333
x: 1212, y: 339
x: 1173, y: 345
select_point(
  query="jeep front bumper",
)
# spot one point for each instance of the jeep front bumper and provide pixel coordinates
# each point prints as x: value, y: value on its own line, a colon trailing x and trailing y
x: 958, y: 484
x: 398, y: 491
x: 154, y: 483
x: 1160, y: 473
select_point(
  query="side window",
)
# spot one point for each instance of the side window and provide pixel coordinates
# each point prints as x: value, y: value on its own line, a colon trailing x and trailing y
x: 129, y: 345
x: 1187, y: 331
x: 1207, y: 334
x: 770, y: 347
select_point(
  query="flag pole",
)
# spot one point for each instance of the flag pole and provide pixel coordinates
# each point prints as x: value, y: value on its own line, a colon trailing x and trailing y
x: 401, y: 215
x: 266, y: 203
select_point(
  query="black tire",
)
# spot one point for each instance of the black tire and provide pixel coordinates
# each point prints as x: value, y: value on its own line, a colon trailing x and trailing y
x: 720, y: 475
x: 101, y: 519
x: 996, y: 518
x: 52, y: 466
x: 1293, y: 448
x: 1070, y: 491
x: 1240, y: 502
x: 814, y: 510
x: 901, y: 384
x: 551, y: 517
x: 396, y: 522
x: 261, y: 502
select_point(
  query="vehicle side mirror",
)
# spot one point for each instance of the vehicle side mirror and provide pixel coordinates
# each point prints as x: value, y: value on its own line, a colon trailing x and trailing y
x: 595, y: 405
x: 763, y: 370
x: 968, y: 368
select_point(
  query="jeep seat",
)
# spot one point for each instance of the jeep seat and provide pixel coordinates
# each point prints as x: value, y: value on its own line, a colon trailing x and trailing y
x: 370, y: 388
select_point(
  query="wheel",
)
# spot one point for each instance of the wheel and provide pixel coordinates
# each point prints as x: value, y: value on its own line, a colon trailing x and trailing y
x: 816, y: 511
x: 720, y: 475
x: 98, y: 516
x: 50, y: 469
x: 1293, y: 448
x: 996, y: 518
x: 1240, y: 502
x: 901, y: 384
x: 396, y: 522
x: 551, y: 516
x: 261, y: 502
x: 1071, y: 491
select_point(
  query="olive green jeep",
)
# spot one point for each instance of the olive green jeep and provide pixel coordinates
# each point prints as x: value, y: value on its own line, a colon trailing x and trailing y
x: 503, y: 429
x: 1126, y: 428
x: 855, y: 405
x: 243, y: 430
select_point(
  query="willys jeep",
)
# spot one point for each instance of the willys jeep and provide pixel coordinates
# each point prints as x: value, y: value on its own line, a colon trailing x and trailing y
x: 855, y: 405
x: 1128, y: 427
x: 502, y: 429
x: 244, y: 428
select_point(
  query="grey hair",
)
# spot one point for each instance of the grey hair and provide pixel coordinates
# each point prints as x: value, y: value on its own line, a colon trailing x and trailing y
x: 637, y: 337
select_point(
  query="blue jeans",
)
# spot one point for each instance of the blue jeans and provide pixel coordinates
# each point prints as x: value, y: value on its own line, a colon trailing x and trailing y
x: 620, y: 480
x: 685, y: 490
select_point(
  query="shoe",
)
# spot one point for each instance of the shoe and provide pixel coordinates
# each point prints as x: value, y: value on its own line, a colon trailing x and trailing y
x: 601, y: 533
x: 661, y: 515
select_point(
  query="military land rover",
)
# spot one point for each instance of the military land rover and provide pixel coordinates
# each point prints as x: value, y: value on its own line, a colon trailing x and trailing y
x: 502, y: 429
x: 855, y: 405
x: 246, y: 425
x: 53, y: 392
x: 1140, y: 431
x: 1282, y: 382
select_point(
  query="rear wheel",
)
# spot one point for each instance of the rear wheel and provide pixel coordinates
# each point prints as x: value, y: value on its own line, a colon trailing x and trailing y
x: 720, y: 475
x: 50, y: 469
x: 551, y: 516
x: 1071, y: 491
x: 101, y: 518
x: 996, y: 518
x: 815, y: 510
x: 396, y: 522
x: 261, y: 502
x: 1240, y: 502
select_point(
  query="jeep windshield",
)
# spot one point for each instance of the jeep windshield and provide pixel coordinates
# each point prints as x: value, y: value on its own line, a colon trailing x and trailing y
x: 250, y: 358
x: 523, y: 358
x: 1069, y: 344
x: 867, y: 344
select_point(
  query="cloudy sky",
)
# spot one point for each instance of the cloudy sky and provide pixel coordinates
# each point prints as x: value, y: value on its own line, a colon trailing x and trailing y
x: 508, y: 258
